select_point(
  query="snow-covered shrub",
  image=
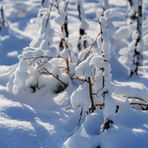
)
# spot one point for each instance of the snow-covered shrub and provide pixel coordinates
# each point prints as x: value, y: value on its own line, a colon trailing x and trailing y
x: 65, y: 48
x: 94, y: 73
x: 44, y: 57
x: 37, y: 59
x: 131, y: 55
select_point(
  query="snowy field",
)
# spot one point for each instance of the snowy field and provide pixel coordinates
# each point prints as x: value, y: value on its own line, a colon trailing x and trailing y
x: 36, y: 113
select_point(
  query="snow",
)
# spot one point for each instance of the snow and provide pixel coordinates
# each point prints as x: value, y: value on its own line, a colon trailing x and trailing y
x: 83, y: 69
x: 33, y: 115
x: 60, y: 19
x: 93, y: 123
x: 116, y: 136
x: 13, y: 54
x: 80, y: 98
x: 123, y: 33
x: 84, y: 25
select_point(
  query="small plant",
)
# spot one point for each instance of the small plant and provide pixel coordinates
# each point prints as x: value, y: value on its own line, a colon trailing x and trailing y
x: 94, y: 72
x: 42, y: 59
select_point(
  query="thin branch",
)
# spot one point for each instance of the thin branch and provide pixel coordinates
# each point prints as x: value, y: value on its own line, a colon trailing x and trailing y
x: 130, y: 97
x: 56, y: 77
x: 81, y: 115
x: 93, y: 107
x: 80, y: 79
x: 137, y: 57
x: 36, y: 58
x: 142, y: 105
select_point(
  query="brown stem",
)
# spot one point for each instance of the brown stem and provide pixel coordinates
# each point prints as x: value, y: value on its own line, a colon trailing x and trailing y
x: 36, y: 58
x: 81, y: 115
x: 130, y: 97
x: 69, y: 50
x: 56, y: 77
x: 80, y: 79
x: 2, y: 21
x: 93, y: 107
x: 137, y: 57
x: 67, y: 64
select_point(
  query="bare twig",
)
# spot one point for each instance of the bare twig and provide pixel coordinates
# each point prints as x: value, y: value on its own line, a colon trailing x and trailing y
x: 36, y: 58
x: 56, y: 77
x: 93, y: 107
x: 142, y: 105
x: 138, y: 98
x: 80, y: 79
x: 81, y: 115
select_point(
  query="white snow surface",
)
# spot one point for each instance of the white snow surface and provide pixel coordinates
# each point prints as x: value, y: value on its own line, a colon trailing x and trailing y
x: 47, y: 120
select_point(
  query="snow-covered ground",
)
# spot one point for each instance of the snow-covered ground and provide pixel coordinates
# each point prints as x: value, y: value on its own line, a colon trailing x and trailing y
x: 45, y: 119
